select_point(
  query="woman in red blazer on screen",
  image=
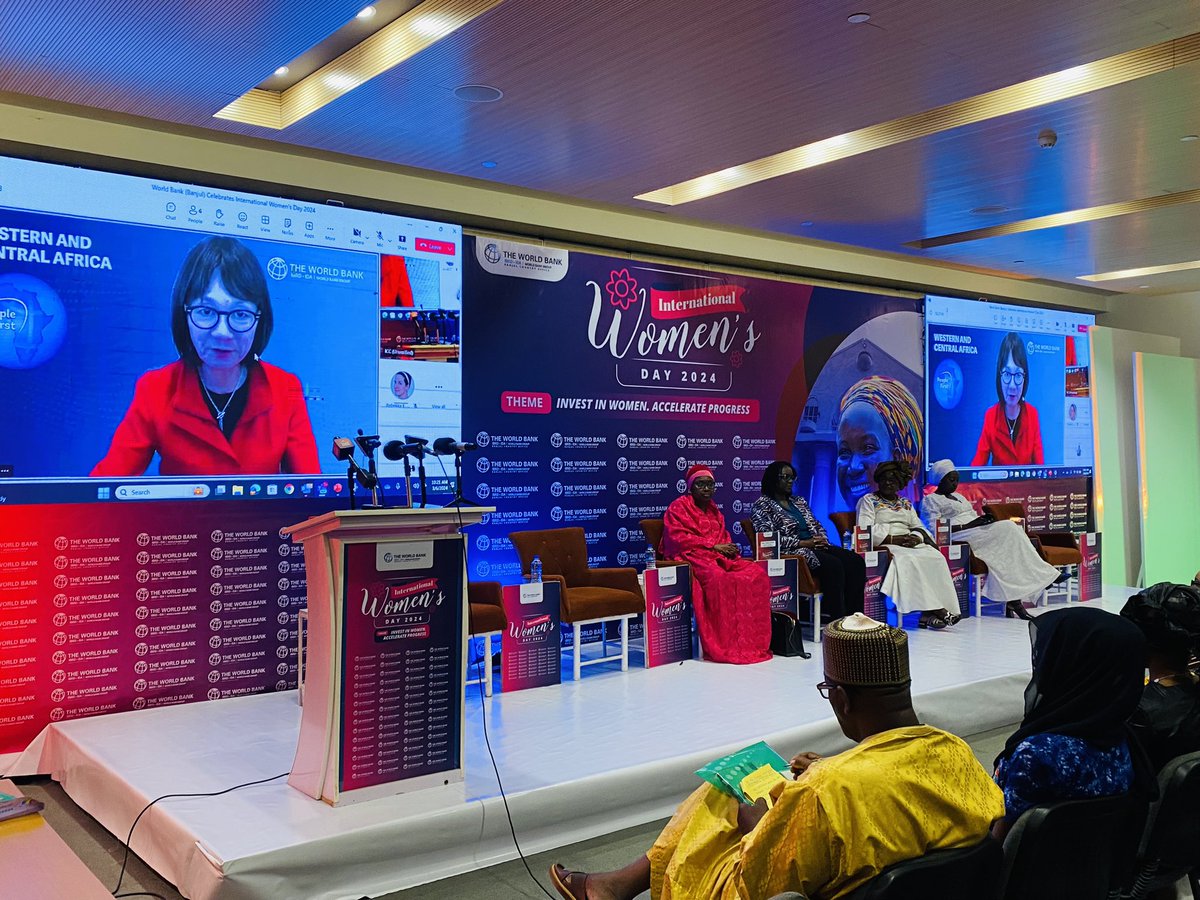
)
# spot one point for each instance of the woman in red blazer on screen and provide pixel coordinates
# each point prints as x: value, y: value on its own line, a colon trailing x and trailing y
x: 1012, y: 435
x: 218, y: 409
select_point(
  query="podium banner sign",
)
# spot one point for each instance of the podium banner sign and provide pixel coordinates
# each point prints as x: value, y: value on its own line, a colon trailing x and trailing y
x: 874, y: 601
x: 402, y: 660
x: 1091, y: 582
x: 958, y: 558
x: 668, y: 622
x: 784, y: 575
x: 530, y: 648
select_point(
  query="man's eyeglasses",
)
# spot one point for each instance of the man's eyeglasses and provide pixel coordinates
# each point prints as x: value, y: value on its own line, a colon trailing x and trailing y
x: 238, y: 320
x: 825, y: 688
x: 1008, y: 377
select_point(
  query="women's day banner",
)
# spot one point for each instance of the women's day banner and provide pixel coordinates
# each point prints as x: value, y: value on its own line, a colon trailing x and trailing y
x: 593, y: 382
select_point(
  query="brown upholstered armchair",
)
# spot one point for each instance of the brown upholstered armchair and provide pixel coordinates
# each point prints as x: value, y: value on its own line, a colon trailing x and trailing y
x: 588, y: 595
x: 807, y: 585
x: 653, y: 529
x: 485, y: 618
x: 1059, y: 548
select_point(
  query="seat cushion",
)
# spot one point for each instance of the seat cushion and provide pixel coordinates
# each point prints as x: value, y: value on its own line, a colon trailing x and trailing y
x: 596, y: 603
x: 1061, y: 556
x: 485, y: 618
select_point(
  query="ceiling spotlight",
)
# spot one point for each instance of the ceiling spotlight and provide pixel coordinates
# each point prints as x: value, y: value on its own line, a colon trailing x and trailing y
x: 281, y: 71
x: 858, y: 18
x: 365, y: 13
x: 488, y: 164
x: 478, y: 93
x: 1047, y: 138
x: 1188, y: 138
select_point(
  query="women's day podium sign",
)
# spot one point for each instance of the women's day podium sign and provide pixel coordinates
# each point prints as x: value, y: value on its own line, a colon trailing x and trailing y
x: 383, y: 697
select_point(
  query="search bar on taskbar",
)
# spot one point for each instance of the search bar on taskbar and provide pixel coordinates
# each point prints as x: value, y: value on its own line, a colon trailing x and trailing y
x: 993, y: 475
x: 161, y: 491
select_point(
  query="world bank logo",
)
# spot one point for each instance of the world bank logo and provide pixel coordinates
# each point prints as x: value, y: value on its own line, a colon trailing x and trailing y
x: 622, y: 510
x: 483, y: 491
x: 556, y: 489
x: 277, y: 268
x: 622, y: 487
x: 737, y: 442
x: 483, y: 542
x: 483, y: 569
x: 622, y: 558
x: 556, y: 440
x: 737, y: 506
x: 622, y: 441
x: 556, y: 513
x: 622, y: 533
x: 483, y: 465
x: 491, y: 253
x: 482, y: 438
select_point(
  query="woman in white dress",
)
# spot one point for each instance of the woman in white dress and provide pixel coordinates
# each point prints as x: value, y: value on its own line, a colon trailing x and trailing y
x: 1015, y: 570
x: 918, y: 577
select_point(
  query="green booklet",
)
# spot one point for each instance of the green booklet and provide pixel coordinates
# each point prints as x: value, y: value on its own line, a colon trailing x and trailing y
x: 727, y: 773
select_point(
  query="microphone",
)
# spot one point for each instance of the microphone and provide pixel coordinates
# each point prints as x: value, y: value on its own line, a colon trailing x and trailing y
x: 397, y: 450
x: 445, y: 446
x: 367, y: 442
x: 343, y: 449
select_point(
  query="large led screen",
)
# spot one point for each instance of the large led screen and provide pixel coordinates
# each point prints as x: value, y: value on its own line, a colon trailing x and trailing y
x: 164, y: 340
x: 1008, y: 390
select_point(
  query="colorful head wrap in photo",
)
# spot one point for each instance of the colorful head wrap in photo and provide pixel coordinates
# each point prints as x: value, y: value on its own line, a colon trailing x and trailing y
x: 698, y: 471
x: 897, y: 407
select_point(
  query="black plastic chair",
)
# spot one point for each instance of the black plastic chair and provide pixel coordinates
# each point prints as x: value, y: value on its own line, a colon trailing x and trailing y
x: 1170, y: 846
x: 1074, y: 849
x: 971, y: 873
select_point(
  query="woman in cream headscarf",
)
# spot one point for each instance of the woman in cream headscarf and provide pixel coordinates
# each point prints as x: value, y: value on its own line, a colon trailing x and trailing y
x: 1015, y: 571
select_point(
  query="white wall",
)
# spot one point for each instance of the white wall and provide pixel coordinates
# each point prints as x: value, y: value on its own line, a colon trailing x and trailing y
x: 1177, y: 315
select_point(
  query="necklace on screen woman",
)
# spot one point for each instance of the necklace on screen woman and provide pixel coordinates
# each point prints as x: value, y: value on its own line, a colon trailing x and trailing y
x: 220, y: 411
x: 1012, y: 426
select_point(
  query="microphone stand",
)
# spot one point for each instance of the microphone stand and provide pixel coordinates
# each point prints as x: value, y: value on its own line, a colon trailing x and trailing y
x: 459, y: 500
x: 408, y: 479
x: 350, y: 480
x: 421, y: 474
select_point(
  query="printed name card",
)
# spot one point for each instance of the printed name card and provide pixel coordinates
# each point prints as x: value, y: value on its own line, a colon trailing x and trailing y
x: 530, y: 646
x: 1090, y: 572
x: 766, y: 545
x: 784, y: 575
x: 667, y: 630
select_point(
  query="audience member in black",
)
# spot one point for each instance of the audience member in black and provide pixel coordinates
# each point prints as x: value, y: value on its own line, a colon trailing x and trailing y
x: 1167, y: 721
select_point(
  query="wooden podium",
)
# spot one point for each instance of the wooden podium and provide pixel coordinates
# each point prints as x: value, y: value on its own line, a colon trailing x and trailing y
x: 386, y: 660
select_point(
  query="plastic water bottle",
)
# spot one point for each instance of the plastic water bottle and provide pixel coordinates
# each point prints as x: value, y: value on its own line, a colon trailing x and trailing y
x: 651, y: 562
x: 847, y: 541
x: 535, y: 570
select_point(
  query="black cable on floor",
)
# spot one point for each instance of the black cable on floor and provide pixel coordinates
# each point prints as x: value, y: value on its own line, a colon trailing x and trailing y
x: 125, y: 859
x: 483, y: 718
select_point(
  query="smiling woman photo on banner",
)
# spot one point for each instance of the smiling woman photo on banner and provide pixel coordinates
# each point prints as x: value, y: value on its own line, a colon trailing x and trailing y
x: 219, y: 409
x: 878, y: 421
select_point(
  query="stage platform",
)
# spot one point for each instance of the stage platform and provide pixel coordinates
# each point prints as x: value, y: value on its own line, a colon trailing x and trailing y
x: 577, y: 761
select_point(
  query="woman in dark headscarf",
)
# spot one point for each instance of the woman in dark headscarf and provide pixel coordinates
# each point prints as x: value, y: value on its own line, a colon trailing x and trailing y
x: 1167, y: 721
x: 1074, y: 742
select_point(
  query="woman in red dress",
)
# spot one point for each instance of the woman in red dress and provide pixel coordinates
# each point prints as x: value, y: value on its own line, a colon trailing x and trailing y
x: 219, y: 409
x: 1012, y: 435
x: 733, y: 595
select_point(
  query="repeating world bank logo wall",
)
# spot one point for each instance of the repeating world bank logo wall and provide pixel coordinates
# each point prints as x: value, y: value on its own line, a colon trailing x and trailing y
x: 33, y: 322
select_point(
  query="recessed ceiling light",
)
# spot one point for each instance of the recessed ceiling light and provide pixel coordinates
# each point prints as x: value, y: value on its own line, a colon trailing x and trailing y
x: 341, y: 81
x: 858, y: 18
x: 281, y: 71
x: 992, y: 210
x: 806, y: 224
x: 1017, y: 262
x: 1030, y: 94
x: 432, y: 25
x: 488, y: 164
x: 1147, y: 270
x: 365, y: 13
x: 478, y: 93
x: 1142, y: 287
x: 1188, y: 138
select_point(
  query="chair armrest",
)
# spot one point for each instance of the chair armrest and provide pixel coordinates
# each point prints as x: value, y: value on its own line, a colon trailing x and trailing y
x: 1057, y: 539
x: 624, y: 579
x: 488, y: 592
x: 804, y: 576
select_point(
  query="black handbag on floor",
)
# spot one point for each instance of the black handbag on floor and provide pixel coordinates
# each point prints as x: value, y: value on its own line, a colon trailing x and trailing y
x: 786, y: 639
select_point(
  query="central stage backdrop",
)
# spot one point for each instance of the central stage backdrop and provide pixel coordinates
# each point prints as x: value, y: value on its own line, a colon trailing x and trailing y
x: 594, y: 382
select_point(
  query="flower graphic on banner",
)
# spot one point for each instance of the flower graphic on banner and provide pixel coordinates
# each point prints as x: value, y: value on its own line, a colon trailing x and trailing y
x: 735, y: 359
x: 622, y: 288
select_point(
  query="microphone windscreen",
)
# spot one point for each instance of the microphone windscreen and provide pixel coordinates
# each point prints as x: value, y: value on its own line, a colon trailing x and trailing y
x: 443, y: 445
x: 394, y: 450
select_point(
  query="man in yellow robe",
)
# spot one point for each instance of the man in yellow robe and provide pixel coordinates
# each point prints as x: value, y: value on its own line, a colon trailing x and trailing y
x: 905, y: 790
